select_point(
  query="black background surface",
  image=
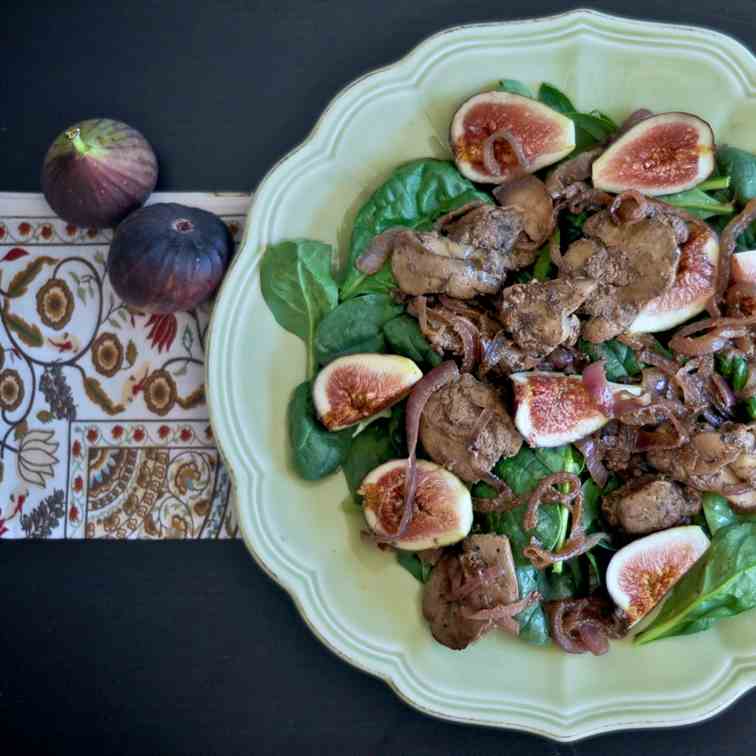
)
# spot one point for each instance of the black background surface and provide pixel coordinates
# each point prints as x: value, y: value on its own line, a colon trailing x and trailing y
x: 189, y: 648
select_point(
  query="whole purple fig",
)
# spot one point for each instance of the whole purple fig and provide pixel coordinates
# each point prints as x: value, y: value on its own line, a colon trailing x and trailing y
x: 168, y: 257
x: 97, y: 172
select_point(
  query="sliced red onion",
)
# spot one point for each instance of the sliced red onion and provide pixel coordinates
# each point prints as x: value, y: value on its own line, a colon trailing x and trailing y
x: 668, y: 366
x: 503, y: 502
x: 593, y: 638
x: 377, y: 252
x: 574, y: 546
x: 630, y: 207
x: 458, y: 212
x: 544, y: 493
x: 722, y: 330
x: 594, y: 380
x: 725, y: 398
x: 491, y: 164
x: 591, y: 450
x: 470, y: 337
x: 728, y: 243
x: 503, y: 615
x: 421, y: 392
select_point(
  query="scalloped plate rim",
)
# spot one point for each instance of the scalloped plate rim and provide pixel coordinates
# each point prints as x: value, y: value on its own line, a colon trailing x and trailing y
x: 734, y: 684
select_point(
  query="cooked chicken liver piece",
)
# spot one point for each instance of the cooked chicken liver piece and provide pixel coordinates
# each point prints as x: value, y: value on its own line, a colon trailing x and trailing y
x: 648, y: 504
x: 451, y: 431
x: 632, y: 263
x: 449, y: 625
x: 539, y: 314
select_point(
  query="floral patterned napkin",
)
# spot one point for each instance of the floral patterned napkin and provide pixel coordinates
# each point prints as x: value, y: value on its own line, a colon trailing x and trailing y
x: 104, y: 430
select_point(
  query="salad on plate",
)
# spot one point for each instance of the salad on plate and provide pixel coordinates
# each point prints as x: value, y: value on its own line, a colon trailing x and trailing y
x: 536, y: 369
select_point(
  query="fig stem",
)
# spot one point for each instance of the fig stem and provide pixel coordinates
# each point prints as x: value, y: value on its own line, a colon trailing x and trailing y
x: 74, y: 136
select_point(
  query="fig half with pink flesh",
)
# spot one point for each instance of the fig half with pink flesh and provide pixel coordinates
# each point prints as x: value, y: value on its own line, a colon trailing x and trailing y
x: 693, y: 286
x: 640, y: 574
x: 443, y: 506
x: 663, y: 154
x: 353, y: 388
x: 744, y: 267
x: 554, y: 409
x: 504, y: 124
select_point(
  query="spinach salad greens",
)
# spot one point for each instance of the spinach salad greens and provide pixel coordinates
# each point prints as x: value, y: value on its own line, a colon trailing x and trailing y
x: 344, y: 311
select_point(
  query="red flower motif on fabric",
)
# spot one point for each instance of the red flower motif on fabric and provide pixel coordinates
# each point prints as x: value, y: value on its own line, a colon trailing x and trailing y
x: 70, y: 229
x: 78, y: 484
x: 3, y: 529
x: 117, y: 431
x: 139, y: 435
x: 91, y: 233
x: 76, y: 449
x: 46, y: 231
x: 92, y: 435
x: 186, y: 434
x: 13, y: 254
x: 164, y: 431
x: 24, y: 228
x: 162, y: 331
x: 73, y: 513
x: 2, y: 231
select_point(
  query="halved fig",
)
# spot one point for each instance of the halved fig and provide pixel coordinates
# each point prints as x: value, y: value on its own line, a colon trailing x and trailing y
x: 350, y: 389
x: 555, y: 409
x: 744, y: 267
x: 496, y: 136
x: 694, y: 284
x: 443, y: 506
x: 663, y: 154
x: 640, y: 574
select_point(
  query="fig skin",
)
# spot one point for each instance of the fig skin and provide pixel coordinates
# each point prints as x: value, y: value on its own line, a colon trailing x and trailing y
x: 357, y: 386
x: 661, y: 154
x: 168, y: 257
x: 97, y: 172
x: 545, y: 135
x: 640, y: 574
x: 443, y: 515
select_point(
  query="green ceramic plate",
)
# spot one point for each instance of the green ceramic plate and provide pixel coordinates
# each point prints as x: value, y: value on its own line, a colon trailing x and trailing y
x: 359, y: 602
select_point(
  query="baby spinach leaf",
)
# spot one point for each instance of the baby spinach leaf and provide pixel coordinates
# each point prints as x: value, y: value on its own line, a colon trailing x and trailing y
x: 317, y: 452
x: 411, y: 562
x: 699, y: 203
x: 597, y: 125
x: 571, y: 227
x: 378, y: 443
x: 355, y: 326
x: 296, y: 282
x: 415, y: 195
x: 404, y: 337
x: 515, y: 87
x: 590, y: 128
x: 543, y: 269
x: 533, y: 625
x: 720, y: 584
x: 529, y: 466
x: 522, y: 473
x: 717, y: 512
x: 549, y: 95
x: 741, y: 167
x: 620, y: 360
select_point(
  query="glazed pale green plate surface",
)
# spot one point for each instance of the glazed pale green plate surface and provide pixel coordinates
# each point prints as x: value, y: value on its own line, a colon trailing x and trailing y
x: 358, y: 601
